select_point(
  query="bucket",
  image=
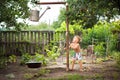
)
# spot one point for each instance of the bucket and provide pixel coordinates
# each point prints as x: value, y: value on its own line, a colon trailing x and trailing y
x: 34, y: 15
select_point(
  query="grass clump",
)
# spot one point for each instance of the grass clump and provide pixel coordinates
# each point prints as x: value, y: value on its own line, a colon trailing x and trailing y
x: 67, y: 77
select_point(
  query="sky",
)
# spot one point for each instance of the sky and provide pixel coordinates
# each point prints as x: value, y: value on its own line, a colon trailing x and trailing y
x: 51, y: 14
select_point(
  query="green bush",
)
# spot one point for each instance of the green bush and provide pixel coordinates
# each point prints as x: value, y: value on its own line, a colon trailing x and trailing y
x: 99, y: 49
x: 25, y: 58
x: 53, y: 53
x: 40, y: 58
x: 3, y: 62
x: 12, y: 58
x: 33, y: 58
x: 101, y: 32
x: 116, y: 56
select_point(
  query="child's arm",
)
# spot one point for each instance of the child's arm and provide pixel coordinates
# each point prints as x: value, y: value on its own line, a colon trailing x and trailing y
x: 66, y: 47
x: 74, y: 46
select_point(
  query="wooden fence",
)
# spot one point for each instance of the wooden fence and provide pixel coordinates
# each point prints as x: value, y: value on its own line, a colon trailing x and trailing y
x: 12, y: 42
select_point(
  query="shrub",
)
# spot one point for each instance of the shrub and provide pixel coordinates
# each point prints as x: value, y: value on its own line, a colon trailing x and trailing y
x: 3, y: 62
x: 116, y: 56
x: 39, y: 58
x: 53, y: 53
x: 99, y: 49
x: 12, y: 58
x: 25, y: 58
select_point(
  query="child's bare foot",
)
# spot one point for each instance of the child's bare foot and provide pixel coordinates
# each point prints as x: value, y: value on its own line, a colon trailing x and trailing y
x: 71, y: 69
x: 81, y: 70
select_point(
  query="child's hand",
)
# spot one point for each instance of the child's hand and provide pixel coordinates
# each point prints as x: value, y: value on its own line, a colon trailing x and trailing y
x: 71, y: 44
x: 65, y: 48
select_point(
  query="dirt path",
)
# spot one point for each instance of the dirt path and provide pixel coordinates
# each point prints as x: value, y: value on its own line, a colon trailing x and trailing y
x: 105, y: 70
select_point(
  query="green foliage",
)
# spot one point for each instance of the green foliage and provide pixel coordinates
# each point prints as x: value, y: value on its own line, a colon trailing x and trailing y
x: 116, y: 26
x: 67, y: 77
x: 3, y: 62
x: 74, y: 77
x: 25, y: 58
x: 101, y: 32
x: 11, y: 10
x: 72, y: 28
x: 112, y: 42
x: 43, y: 72
x: 39, y: 58
x: 53, y: 53
x: 33, y: 58
x: 56, y: 24
x: 116, y: 56
x: 12, y: 59
x: 28, y: 76
x: 115, y: 75
x: 88, y: 12
x: 39, y: 73
x: 99, y: 49
x: 41, y: 26
x: 61, y: 18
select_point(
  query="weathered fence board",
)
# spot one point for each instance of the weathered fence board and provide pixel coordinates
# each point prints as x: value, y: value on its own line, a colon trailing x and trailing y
x: 12, y: 42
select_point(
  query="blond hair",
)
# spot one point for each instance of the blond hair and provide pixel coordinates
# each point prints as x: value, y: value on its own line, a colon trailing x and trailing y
x: 79, y: 38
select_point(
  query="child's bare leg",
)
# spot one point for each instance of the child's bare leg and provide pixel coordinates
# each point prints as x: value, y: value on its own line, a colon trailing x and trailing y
x: 80, y: 63
x: 73, y: 62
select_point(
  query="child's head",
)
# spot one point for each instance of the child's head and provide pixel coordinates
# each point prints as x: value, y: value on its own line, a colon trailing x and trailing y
x: 76, y: 39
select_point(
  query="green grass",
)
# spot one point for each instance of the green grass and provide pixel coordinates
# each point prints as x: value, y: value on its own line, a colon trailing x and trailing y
x: 76, y: 77
x: 115, y: 75
x: 67, y: 77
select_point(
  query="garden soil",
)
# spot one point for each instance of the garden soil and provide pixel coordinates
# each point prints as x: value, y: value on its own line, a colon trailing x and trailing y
x: 107, y: 70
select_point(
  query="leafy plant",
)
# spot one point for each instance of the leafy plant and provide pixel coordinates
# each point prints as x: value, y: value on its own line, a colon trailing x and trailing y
x: 41, y: 26
x: 14, y: 10
x: 100, y: 35
x: 116, y: 56
x: 42, y: 71
x: 25, y: 58
x: 33, y: 58
x: 99, y: 49
x: 72, y: 28
x: 12, y: 59
x: 83, y: 11
x: 39, y: 58
x: 53, y: 53
x: 28, y: 76
x: 3, y: 62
